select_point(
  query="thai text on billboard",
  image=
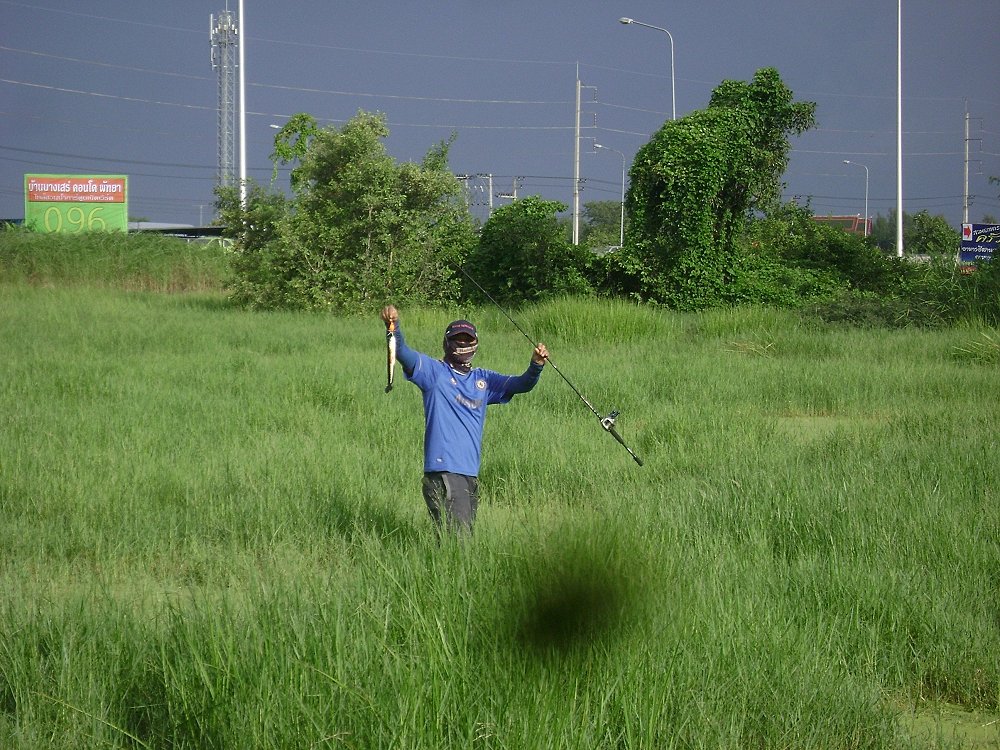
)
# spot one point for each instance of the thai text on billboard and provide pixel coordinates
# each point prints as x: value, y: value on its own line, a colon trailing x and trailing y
x: 978, y: 242
x: 76, y: 203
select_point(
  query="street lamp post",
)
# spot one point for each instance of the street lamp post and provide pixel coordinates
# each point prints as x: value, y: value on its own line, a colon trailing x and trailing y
x: 673, y: 88
x: 621, y: 233
x: 243, y: 111
x: 848, y: 161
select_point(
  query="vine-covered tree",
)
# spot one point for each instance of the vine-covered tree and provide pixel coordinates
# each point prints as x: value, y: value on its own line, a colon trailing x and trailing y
x: 698, y: 180
x: 360, y: 229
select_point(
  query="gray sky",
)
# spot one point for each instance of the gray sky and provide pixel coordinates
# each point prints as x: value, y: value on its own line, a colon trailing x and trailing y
x: 127, y: 87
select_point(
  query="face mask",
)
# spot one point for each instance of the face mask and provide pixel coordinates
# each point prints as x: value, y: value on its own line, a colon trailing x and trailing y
x: 459, y: 356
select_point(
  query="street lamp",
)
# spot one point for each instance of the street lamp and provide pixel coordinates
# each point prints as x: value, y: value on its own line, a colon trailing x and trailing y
x: 847, y: 161
x: 243, y: 110
x: 621, y: 233
x: 673, y: 88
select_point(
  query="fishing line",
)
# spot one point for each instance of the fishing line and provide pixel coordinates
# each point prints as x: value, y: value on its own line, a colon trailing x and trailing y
x: 608, y: 422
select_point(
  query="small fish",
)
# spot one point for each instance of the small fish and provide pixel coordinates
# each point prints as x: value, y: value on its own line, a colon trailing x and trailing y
x: 390, y: 345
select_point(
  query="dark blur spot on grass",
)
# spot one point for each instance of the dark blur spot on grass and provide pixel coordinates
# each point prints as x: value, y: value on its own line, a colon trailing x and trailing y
x: 569, y: 610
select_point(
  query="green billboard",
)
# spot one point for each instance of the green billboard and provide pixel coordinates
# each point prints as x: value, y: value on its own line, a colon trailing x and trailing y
x: 76, y: 203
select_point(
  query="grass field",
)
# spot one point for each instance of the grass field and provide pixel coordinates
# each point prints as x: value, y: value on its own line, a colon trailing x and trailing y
x: 212, y: 533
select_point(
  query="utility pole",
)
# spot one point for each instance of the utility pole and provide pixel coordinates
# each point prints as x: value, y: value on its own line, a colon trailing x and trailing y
x: 512, y: 195
x: 965, y: 195
x: 899, y: 128
x: 576, y: 158
x: 489, y: 182
x: 576, y: 165
x: 967, y: 199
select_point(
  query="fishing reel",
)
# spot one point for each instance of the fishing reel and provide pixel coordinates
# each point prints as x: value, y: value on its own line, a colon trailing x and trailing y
x: 608, y: 423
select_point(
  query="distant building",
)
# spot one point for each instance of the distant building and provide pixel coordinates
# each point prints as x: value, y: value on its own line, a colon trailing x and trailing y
x: 852, y: 224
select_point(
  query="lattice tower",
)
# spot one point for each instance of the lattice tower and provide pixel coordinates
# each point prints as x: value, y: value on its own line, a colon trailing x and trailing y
x: 225, y: 41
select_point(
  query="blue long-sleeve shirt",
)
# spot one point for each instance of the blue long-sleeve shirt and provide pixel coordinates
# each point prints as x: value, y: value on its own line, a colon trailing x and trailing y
x: 455, y: 406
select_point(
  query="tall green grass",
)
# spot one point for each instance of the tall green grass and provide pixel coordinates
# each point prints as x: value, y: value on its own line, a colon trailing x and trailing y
x: 213, y: 534
x: 136, y: 262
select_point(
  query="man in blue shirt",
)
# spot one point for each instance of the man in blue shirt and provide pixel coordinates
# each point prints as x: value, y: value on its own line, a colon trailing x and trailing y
x: 455, y: 399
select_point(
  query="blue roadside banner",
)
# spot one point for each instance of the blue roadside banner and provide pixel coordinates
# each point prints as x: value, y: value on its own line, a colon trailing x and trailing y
x: 978, y: 242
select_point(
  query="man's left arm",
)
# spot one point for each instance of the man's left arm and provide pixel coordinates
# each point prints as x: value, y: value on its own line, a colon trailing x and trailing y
x: 510, y: 385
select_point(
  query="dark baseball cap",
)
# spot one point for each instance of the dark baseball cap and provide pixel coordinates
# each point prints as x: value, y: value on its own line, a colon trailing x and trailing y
x: 459, y: 327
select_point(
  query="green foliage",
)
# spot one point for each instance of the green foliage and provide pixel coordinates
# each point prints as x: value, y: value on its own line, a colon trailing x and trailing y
x: 757, y: 279
x: 789, y: 235
x: 932, y: 235
x: 600, y: 224
x: 291, y: 143
x: 790, y: 259
x: 883, y: 232
x: 944, y: 293
x: 257, y: 280
x: 696, y: 182
x: 984, y: 350
x: 928, y: 294
x: 524, y: 256
x: 923, y: 234
x: 984, y: 292
x: 360, y: 230
x: 621, y: 273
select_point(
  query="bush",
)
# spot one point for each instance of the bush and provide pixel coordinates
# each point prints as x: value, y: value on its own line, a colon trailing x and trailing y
x: 360, y: 230
x: 791, y: 235
x: 522, y: 255
x: 758, y: 280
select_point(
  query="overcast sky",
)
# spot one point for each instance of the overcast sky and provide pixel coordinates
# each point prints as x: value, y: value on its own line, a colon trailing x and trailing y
x: 126, y: 87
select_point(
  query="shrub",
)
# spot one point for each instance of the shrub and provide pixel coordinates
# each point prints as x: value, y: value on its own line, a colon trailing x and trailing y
x: 360, y: 230
x: 790, y: 235
x: 523, y: 256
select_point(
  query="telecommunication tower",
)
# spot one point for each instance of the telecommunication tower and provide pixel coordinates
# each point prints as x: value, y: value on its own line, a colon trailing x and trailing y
x: 225, y: 45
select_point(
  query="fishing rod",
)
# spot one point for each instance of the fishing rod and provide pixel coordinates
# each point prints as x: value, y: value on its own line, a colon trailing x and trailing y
x: 608, y: 422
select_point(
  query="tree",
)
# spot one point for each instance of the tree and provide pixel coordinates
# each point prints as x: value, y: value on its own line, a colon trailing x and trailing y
x: 698, y: 180
x: 601, y: 225
x: 523, y: 254
x: 291, y: 143
x: 360, y: 228
x: 883, y: 232
x: 923, y: 234
x: 933, y: 236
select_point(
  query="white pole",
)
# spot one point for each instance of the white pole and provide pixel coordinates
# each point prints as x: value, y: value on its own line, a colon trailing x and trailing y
x: 965, y: 191
x: 899, y: 128
x: 243, y: 110
x: 576, y: 166
x: 866, y: 201
x: 621, y: 234
x: 673, y: 85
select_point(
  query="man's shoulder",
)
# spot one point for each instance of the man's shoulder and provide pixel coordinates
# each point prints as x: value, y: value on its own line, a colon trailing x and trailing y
x: 481, y: 373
